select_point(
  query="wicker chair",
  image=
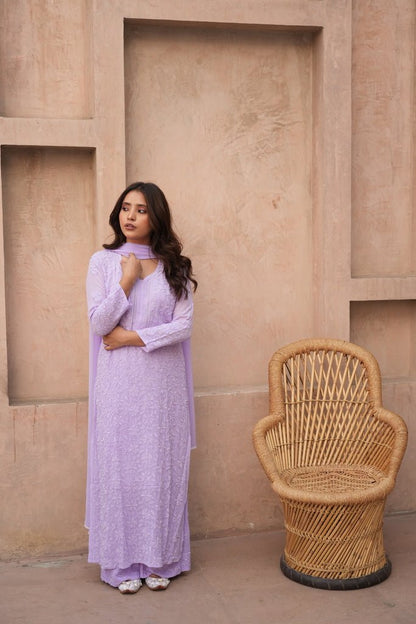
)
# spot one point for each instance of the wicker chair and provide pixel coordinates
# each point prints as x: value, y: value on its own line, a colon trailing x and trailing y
x: 332, y: 453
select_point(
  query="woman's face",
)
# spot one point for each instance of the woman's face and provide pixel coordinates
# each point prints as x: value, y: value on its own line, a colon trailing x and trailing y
x: 134, y: 218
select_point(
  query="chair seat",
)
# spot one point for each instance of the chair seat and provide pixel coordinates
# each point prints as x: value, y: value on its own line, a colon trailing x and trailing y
x: 335, y: 478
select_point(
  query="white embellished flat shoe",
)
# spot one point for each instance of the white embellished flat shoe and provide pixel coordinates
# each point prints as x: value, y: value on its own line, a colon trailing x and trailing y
x: 157, y: 583
x: 130, y: 587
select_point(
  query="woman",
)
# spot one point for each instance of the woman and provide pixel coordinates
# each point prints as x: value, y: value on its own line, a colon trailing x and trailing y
x: 141, y: 419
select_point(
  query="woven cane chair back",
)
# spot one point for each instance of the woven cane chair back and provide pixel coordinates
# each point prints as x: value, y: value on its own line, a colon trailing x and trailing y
x: 328, y: 401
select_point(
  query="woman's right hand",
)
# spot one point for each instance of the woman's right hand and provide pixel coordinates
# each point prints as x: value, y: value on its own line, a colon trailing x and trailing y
x: 132, y: 270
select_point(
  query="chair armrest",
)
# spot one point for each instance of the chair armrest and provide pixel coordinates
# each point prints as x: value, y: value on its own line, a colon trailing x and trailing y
x: 260, y: 446
x: 398, y: 425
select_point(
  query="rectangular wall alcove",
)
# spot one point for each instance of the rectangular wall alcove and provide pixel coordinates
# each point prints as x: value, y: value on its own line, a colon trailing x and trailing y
x: 383, y: 139
x: 388, y: 330
x: 48, y: 214
x: 222, y: 118
x: 46, y: 59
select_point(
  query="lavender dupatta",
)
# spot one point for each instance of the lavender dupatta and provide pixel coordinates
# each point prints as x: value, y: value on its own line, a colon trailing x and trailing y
x: 142, y: 252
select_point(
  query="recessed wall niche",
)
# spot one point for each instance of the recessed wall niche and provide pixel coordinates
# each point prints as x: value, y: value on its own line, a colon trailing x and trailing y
x: 48, y: 207
x: 222, y: 119
x: 388, y: 330
x: 46, y: 59
x: 383, y: 227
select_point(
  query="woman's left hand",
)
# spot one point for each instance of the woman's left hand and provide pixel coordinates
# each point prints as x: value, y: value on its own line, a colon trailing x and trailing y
x: 120, y: 337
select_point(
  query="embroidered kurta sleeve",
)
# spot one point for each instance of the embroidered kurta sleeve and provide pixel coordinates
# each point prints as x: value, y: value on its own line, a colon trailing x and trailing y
x: 104, y: 311
x: 177, y: 330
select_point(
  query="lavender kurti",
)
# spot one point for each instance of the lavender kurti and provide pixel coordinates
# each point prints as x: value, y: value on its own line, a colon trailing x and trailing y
x: 140, y: 433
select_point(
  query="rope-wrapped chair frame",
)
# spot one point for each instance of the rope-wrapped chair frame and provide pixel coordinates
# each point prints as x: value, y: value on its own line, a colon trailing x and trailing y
x: 332, y: 453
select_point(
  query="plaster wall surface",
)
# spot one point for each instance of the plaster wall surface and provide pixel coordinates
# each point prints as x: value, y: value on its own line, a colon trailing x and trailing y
x: 48, y: 195
x: 282, y: 132
x: 45, y: 59
x: 225, y: 125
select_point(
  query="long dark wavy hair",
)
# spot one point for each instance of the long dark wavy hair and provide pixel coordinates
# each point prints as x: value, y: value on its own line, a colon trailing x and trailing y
x: 164, y: 242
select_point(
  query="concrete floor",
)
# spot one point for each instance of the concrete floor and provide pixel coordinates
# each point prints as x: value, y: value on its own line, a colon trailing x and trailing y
x: 234, y: 580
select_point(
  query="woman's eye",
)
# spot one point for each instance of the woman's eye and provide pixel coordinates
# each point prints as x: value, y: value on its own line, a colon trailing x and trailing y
x: 142, y: 210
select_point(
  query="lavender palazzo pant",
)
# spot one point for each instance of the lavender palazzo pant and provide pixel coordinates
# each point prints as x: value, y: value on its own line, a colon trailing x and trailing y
x: 139, y: 571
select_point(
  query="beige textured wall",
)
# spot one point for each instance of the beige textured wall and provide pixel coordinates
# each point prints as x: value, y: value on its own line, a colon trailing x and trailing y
x: 225, y: 126
x: 46, y: 59
x: 283, y: 134
x: 48, y: 196
x: 383, y: 113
